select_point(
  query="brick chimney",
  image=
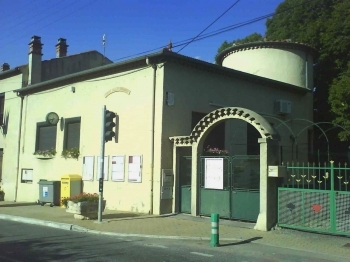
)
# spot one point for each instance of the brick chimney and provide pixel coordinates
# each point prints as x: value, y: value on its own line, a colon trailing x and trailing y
x: 34, y: 65
x: 4, y: 67
x: 61, y: 48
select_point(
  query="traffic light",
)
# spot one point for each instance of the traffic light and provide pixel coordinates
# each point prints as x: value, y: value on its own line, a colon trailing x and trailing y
x: 100, y: 185
x: 109, y: 125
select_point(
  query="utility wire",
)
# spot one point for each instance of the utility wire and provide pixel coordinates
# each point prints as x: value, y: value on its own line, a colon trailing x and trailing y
x: 216, y: 32
x: 61, y: 17
x: 183, y: 42
x: 45, y: 11
x: 208, y: 26
x: 10, y: 14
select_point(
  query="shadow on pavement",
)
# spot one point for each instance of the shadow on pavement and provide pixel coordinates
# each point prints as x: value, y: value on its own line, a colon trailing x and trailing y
x: 119, y: 215
x: 131, y: 216
x: 247, y: 241
x: 14, y: 204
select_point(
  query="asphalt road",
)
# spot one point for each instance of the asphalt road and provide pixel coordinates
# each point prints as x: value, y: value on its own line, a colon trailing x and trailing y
x: 24, y: 242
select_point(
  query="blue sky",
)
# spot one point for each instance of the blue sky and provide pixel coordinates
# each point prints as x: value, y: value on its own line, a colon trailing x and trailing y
x: 130, y: 26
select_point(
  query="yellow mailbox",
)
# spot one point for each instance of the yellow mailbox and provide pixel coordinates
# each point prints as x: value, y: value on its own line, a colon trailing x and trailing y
x: 70, y: 185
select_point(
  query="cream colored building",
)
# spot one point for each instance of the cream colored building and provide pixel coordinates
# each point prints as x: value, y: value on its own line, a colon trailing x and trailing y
x: 155, y: 97
x: 11, y: 105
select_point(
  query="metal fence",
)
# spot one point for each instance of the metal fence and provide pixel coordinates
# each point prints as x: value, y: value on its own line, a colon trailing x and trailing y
x: 316, y: 197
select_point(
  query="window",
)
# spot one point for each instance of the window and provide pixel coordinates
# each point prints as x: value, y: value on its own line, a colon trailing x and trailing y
x: 2, y: 106
x: 72, y: 133
x: 45, y: 136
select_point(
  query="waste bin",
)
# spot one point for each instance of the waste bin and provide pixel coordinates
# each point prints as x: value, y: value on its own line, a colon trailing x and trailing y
x: 71, y: 185
x: 49, y: 192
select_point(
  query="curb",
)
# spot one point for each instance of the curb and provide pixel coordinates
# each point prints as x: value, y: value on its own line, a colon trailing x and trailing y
x: 36, y: 222
x: 71, y: 227
x: 155, y: 236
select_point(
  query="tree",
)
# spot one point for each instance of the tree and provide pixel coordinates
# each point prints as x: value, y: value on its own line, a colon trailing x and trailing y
x: 339, y: 98
x: 250, y: 38
x: 325, y: 25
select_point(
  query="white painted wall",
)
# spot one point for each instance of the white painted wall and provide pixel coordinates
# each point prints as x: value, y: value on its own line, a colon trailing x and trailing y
x: 9, y: 141
x: 286, y: 65
x: 134, y: 112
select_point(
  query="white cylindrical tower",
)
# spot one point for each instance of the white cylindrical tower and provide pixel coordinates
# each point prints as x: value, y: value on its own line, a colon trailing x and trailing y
x: 283, y: 61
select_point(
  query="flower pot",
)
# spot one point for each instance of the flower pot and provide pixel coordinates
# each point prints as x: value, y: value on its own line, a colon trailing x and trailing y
x: 84, y: 210
x: 44, y: 157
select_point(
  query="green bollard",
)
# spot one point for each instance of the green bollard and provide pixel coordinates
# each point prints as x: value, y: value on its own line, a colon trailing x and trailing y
x: 214, y: 242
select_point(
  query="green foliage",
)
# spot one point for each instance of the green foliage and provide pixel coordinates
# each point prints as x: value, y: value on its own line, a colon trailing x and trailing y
x: 71, y: 153
x: 255, y: 37
x: 325, y: 25
x: 50, y: 153
x: 339, y: 98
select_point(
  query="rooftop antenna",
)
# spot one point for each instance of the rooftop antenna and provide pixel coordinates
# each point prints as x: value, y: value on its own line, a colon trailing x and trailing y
x: 104, y: 46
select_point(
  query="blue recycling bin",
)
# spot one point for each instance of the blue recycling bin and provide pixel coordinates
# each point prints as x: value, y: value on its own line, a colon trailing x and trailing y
x: 49, y: 192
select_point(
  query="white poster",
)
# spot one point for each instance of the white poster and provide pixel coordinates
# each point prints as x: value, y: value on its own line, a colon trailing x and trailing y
x: 134, y: 169
x: 45, y: 191
x: 88, y: 168
x: 27, y: 175
x: 214, y: 173
x: 105, y: 168
x: 117, y: 168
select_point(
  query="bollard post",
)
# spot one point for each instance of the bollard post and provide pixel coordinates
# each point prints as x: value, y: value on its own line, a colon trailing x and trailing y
x: 214, y: 242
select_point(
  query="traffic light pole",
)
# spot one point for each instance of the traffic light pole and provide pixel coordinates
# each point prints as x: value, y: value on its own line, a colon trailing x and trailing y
x: 102, y: 158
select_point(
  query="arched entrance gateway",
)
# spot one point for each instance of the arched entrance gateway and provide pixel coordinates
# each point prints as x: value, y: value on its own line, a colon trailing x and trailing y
x: 269, y: 153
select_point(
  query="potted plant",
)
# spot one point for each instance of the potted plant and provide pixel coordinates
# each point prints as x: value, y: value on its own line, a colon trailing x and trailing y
x: 83, y: 206
x: 2, y: 195
x: 45, y: 153
x: 71, y: 153
x: 215, y: 152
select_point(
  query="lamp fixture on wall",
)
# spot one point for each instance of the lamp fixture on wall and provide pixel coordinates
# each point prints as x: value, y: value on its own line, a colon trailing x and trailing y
x: 72, y: 88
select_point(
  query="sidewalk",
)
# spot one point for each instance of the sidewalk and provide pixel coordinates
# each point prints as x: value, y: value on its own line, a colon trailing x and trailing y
x: 174, y: 226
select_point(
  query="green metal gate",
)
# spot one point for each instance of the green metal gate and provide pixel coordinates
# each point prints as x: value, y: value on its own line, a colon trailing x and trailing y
x: 239, y: 196
x: 185, y: 184
x: 316, y: 198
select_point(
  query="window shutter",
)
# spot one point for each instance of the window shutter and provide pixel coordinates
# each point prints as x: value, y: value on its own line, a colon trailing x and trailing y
x: 47, y: 137
x: 73, y: 135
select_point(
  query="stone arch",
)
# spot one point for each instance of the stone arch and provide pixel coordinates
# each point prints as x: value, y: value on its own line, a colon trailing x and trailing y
x: 219, y: 115
x: 262, y: 126
x: 268, y: 156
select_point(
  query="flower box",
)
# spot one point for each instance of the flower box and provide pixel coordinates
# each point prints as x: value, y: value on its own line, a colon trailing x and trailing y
x: 45, y: 154
x: 215, y: 152
x: 44, y: 157
x: 84, y: 210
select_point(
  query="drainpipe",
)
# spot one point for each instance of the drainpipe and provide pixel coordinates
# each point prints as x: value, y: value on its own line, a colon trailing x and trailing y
x: 306, y: 72
x: 154, y: 66
x: 19, y: 147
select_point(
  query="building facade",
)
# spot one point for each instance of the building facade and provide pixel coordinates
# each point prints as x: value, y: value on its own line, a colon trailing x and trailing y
x: 155, y: 97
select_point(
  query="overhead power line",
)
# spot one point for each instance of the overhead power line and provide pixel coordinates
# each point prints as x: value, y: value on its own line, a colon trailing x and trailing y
x: 18, y: 14
x: 208, y: 26
x: 48, y: 24
x: 216, y: 32
x: 45, y: 11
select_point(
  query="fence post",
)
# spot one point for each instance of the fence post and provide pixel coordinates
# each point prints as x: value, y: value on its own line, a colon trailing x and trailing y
x: 214, y: 230
x: 332, y: 200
